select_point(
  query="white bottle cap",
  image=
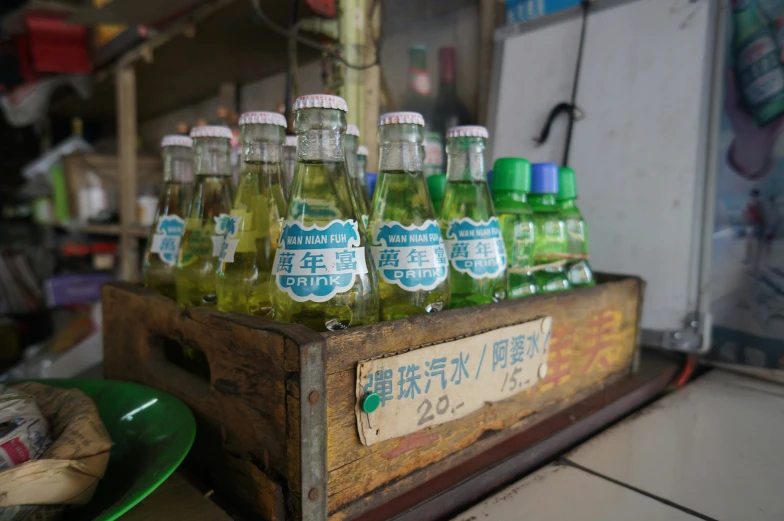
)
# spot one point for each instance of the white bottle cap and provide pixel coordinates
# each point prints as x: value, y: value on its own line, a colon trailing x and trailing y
x: 211, y: 131
x: 399, y: 118
x: 320, y: 101
x: 291, y: 141
x: 362, y: 150
x: 467, y: 131
x: 352, y: 130
x: 176, y: 140
x: 263, y: 118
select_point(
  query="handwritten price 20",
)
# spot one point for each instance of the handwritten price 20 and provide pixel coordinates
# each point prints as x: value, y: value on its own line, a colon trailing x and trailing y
x: 442, y: 407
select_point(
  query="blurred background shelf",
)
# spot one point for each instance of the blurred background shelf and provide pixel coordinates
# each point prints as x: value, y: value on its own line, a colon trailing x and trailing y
x: 189, y: 60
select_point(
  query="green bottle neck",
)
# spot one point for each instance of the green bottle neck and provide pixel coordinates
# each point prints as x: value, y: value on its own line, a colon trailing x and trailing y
x: 177, y: 164
x: 262, y: 143
x: 542, y: 200
x: 465, y: 159
x: 509, y: 197
x: 400, y: 148
x: 320, y: 135
x: 567, y: 204
x: 213, y: 156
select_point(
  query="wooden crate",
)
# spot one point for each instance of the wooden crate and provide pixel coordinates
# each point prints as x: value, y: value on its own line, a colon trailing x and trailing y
x: 277, y: 427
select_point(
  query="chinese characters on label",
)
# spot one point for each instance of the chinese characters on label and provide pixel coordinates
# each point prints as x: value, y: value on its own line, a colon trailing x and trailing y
x: 413, y: 257
x: 222, y: 223
x: 314, y: 263
x: 239, y: 235
x: 476, y: 248
x: 166, y: 240
x: 446, y: 381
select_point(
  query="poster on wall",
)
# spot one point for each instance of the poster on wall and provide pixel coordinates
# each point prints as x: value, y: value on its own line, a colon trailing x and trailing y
x: 747, y: 281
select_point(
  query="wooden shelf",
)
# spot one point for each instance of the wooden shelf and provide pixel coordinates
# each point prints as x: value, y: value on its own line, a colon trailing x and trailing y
x: 222, y: 41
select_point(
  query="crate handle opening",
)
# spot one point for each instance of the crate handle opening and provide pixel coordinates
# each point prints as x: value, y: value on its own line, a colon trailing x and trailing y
x: 186, y: 357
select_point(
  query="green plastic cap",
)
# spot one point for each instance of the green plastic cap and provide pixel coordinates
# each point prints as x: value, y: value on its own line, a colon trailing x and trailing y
x: 567, y: 184
x: 511, y: 174
x: 436, y: 184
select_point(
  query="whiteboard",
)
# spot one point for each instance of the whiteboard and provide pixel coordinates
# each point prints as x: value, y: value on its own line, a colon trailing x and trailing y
x: 537, y: 73
x: 639, y: 152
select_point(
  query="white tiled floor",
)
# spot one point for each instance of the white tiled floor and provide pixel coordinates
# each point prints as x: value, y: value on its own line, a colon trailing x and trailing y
x: 557, y: 493
x: 714, y: 446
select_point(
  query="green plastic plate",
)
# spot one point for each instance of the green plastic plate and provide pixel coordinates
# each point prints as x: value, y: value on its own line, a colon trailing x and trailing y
x: 151, y: 432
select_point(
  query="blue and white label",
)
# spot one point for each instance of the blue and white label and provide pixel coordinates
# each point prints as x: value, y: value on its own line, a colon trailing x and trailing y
x: 167, y: 237
x: 476, y: 248
x: 413, y: 257
x: 223, y: 223
x: 315, y: 263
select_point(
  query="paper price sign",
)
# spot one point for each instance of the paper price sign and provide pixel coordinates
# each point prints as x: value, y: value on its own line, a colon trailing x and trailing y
x: 404, y: 393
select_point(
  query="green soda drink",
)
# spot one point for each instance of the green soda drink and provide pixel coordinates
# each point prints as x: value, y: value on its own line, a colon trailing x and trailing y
x: 549, y: 230
x: 289, y: 163
x: 350, y: 144
x: 408, y: 250
x: 578, y: 271
x: 362, y: 158
x: 475, y: 248
x: 324, y: 276
x: 208, y: 218
x: 253, y: 232
x: 163, y: 246
x: 511, y: 182
x: 436, y: 184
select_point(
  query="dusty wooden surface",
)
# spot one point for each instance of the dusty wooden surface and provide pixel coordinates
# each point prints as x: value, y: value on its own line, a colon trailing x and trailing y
x: 594, y: 338
x: 176, y: 500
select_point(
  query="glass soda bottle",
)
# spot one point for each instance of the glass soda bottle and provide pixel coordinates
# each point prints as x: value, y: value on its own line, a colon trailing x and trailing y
x: 362, y: 157
x: 253, y: 231
x: 408, y: 249
x: 289, y: 162
x: 350, y: 144
x: 578, y: 270
x: 759, y: 73
x: 163, y: 246
x: 511, y: 182
x: 475, y: 248
x: 436, y: 184
x: 208, y: 217
x: 324, y: 277
x: 549, y: 229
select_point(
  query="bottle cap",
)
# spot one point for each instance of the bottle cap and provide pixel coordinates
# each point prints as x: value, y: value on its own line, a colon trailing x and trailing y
x: 176, y: 140
x: 567, y: 184
x: 320, y: 101
x: 436, y: 185
x: 291, y: 141
x: 352, y: 130
x: 211, y: 131
x: 544, y: 178
x: 511, y: 173
x: 263, y: 118
x: 467, y: 131
x: 362, y: 150
x: 400, y: 118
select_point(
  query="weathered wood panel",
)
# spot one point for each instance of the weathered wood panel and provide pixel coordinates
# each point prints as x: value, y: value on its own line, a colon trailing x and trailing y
x: 594, y: 337
x: 241, y: 410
